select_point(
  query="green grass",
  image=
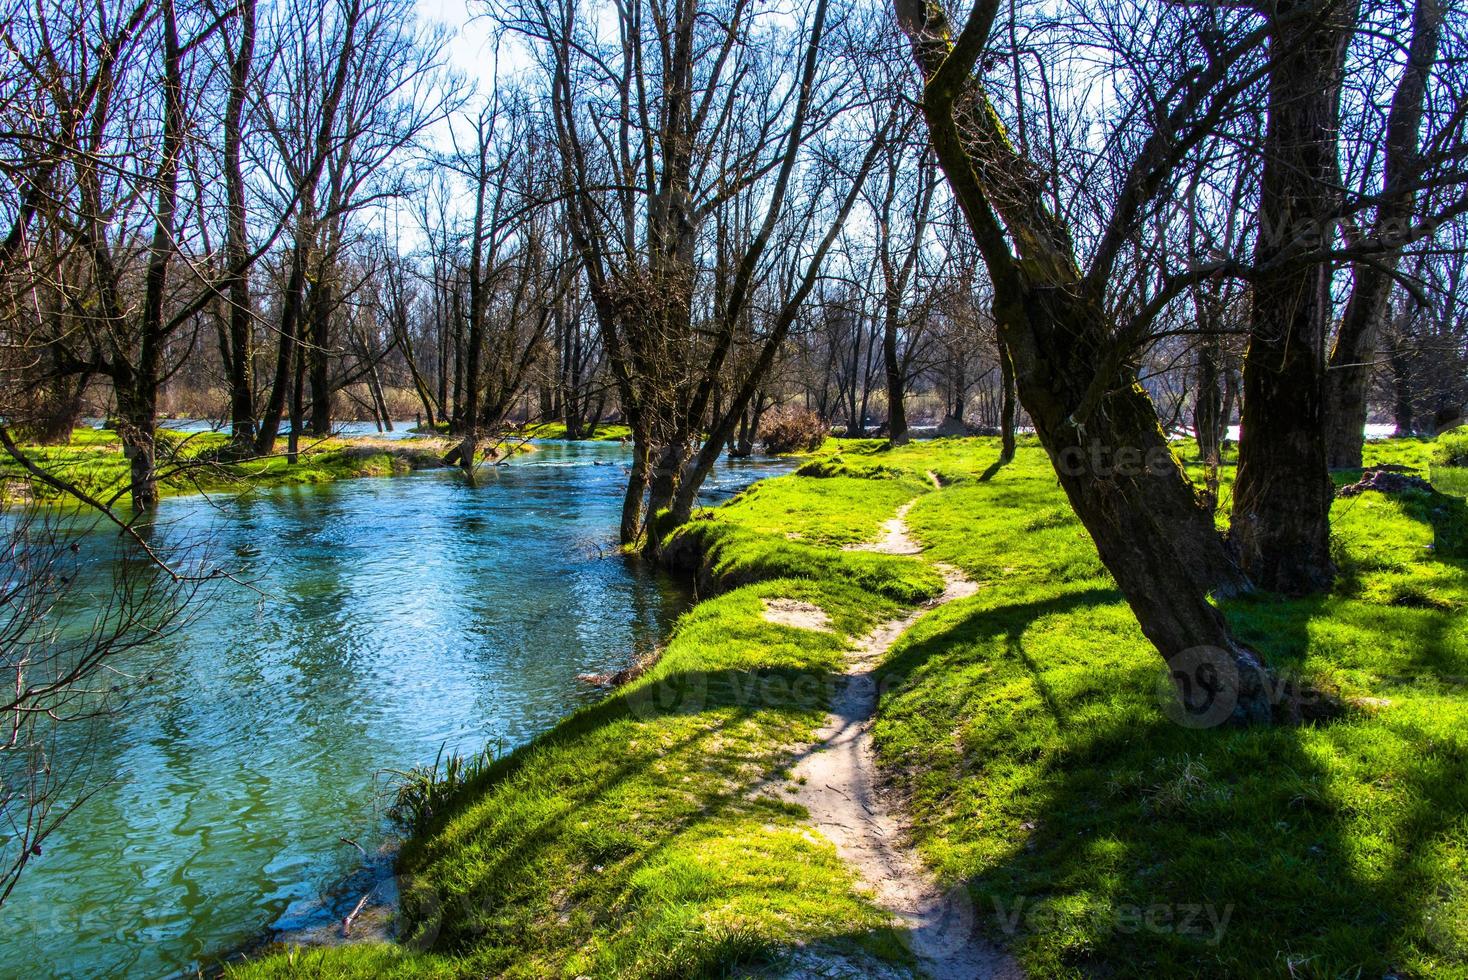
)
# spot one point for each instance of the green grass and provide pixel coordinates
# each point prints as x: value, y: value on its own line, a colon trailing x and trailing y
x: 557, y: 430
x: 188, y: 463
x: 1023, y: 726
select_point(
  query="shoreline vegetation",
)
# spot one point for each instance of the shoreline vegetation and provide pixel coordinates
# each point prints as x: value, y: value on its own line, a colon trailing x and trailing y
x: 190, y: 462
x: 1024, y: 730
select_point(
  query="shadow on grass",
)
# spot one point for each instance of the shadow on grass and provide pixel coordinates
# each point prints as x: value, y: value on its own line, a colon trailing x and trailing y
x: 1098, y: 837
x: 552, y: 839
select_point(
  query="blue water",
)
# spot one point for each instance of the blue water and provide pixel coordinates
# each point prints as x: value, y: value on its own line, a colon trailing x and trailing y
x: 399, y: 615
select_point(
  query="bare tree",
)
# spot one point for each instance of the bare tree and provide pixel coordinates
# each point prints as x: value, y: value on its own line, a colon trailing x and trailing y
x: 1070, y: 346
x: 660, y: 128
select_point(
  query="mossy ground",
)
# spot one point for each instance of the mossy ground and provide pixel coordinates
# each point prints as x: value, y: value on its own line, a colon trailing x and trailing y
x: 603, y: 432
x: 191, y: 463
x: 1025, y: 729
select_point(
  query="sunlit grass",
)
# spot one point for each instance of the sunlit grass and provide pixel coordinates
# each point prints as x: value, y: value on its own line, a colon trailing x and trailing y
x: 191, y: 463
x: 1025, y: 729
x: 601, y: 432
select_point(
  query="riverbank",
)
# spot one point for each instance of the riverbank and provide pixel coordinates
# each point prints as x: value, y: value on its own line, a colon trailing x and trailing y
x: 659, y: 833
x: 601, y: 432
x: 192, y: 463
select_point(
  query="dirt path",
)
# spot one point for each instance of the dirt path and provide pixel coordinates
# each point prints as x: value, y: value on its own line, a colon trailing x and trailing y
x: 894, y: 540
x: 836, y: 780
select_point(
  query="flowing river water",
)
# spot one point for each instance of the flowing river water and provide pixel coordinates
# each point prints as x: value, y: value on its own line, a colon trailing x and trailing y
x: 399, y: 616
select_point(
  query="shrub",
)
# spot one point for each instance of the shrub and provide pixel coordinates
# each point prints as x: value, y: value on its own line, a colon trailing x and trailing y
x: 1452, y: 448
x: 792, y: 430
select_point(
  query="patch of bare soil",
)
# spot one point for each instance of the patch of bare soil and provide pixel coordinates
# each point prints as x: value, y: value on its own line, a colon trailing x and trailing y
x: 791, y: 612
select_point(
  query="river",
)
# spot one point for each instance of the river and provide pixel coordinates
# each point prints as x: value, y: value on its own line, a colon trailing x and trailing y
x: 399, y: 615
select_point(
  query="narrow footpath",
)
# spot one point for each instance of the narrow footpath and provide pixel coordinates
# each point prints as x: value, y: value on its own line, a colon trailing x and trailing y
x: 836, y: 780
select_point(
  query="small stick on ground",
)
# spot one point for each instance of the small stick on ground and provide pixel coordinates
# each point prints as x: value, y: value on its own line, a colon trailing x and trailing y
x: 347, y: 922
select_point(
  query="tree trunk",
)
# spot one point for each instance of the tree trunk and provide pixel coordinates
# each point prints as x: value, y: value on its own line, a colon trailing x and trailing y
x: 1282, y: 493
x: 1114, y: 463
x: 137, y: 411
x: 1006, y: 407
x: 137, y: 389
x: 631, y: 525
x: 896, y: 409
x: 57, y: 412
x: 379, y: 401
x: 298, y: 407
x: 1351, y: 360
x: 285, y: 351
x: 237, y: 249
x: 1207, y: 412
x: 1401, y: 389
x: 318, y: 354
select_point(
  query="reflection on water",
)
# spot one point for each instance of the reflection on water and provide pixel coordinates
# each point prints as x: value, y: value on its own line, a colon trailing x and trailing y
x: 402, y: 615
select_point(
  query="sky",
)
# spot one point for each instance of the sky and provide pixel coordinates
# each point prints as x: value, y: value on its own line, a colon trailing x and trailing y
x: 471, y: 48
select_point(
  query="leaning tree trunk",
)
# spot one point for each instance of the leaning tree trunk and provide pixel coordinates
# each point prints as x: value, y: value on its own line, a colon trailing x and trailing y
x: 1113, y: 461
x: 1282, y: 493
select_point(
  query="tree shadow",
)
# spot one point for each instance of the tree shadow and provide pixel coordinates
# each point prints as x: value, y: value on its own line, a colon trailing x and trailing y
x: 992, y: 470
x: 550, y: 809
x: 1008, y: 621
x: 1097, y: 836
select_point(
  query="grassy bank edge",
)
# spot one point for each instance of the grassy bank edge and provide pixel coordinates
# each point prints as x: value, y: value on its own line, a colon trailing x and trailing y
x: 1023, y: 724
x: 190, y: 463
x: 646, y: 835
